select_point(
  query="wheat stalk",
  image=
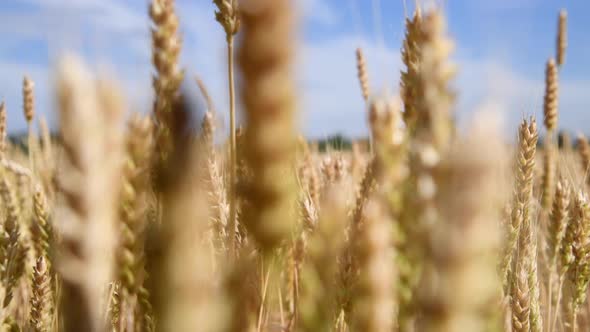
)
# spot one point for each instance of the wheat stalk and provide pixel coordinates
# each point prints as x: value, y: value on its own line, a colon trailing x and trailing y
x: 228, y: 16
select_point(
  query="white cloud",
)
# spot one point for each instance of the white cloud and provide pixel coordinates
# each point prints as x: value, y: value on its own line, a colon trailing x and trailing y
x: 484, y: 82
x: 331, y: 96
x: 319, y: 11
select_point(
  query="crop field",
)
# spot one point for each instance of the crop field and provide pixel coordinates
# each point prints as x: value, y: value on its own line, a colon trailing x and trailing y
x: 138, y: 221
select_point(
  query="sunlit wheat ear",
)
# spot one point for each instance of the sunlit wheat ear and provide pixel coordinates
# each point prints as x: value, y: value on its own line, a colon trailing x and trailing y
x: 29, y: 112
x: 363, y: 76
x: 228, y: 16
x: 166, y: 46
x: 577, y: 234
x: 309, y: 200
x: 41, y: 297
x: 411, y: 57
x: 550, y: 112
x: 373, y: 302
x: 89, y: 115
x: 41, y: 227
x: 28, y: 100
x: 435, y: 98
x: 551, y: 96
x: 520, y: 300
x: 558, y: 221
x: 132, y: 215
x: 265, y: 59
x: 13, y: 247
x: 333, y: 169
x: 215, y: 184
x: 384, y: 118
x: 388, y: 135
x: 527, y: 239
x: 466, y: 238
x: 525, y: 164
x: 527, y: 255
x: 317, y: 303
x: 115, y: 305
x: 561, y: 37
x: 430, y: 135
x: 433, y: 127
x: 218, y: 204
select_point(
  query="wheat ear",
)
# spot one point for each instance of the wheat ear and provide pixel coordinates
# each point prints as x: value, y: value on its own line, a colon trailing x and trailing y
x: 13, y: 248
x: 561, y: 37
x: 132, y: 215
x: 41, y: 228
x: 265, y: 59
x: 373, y: 303
x: 89, y: 115
x: 550, y: 112
x: 525, y: 164
x: 520, y: 300
x: 470, y: 195
x: 558, y: 220
x: 577, y: 235
x: 411, y: 57
x: 41, y: 298
x: 317, y: 299
x: 363, y: 76
x: 166, y: 46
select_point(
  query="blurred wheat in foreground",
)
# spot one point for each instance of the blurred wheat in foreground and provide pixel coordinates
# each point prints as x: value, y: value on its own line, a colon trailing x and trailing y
x: 141, y: 223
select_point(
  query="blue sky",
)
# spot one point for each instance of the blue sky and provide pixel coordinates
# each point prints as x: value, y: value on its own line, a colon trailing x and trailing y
x: 501, y: 50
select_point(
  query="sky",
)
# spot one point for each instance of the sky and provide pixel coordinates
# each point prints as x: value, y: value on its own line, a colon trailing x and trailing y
x: 501, y: 50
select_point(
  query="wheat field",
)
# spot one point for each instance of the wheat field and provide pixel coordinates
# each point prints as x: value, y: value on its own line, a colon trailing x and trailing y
x: 122, y: 221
